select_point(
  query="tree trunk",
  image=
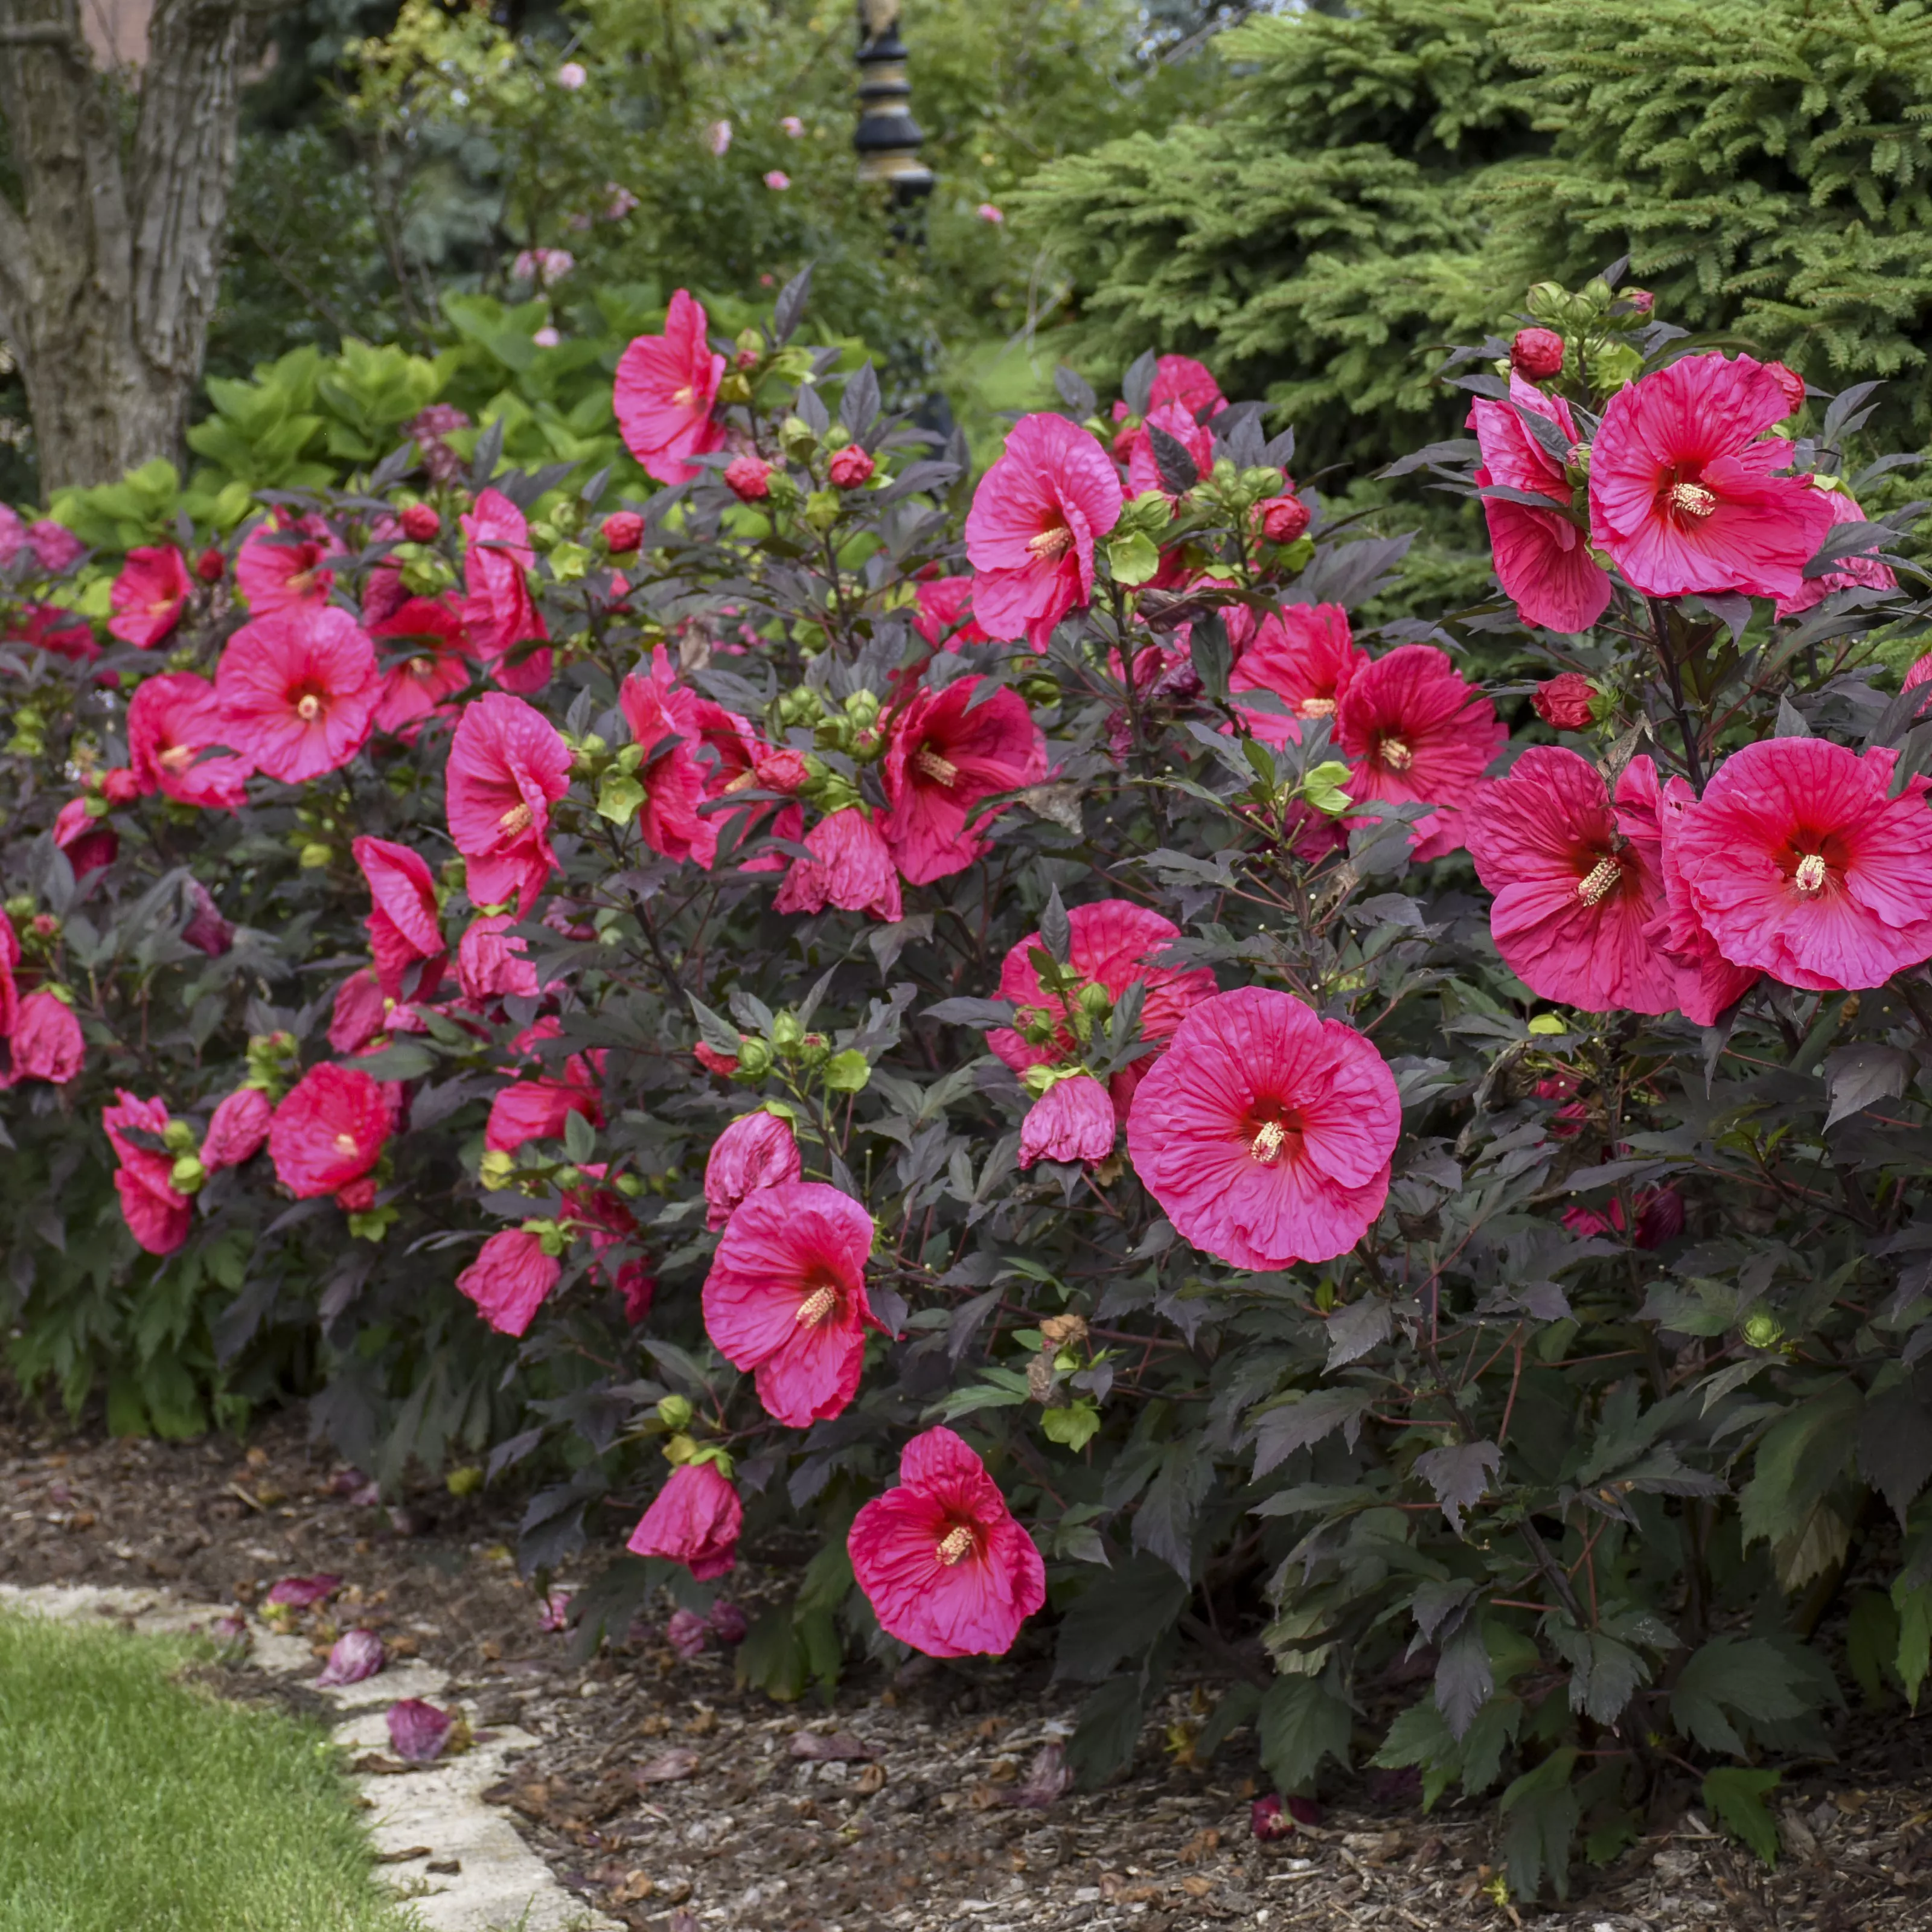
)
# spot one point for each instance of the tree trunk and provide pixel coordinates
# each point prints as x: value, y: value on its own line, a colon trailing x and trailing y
x: 110, y: 259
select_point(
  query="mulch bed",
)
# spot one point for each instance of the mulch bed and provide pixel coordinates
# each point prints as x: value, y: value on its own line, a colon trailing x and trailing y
x: 673, y: 1801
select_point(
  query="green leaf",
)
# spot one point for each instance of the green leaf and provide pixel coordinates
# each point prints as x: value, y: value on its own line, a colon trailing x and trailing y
x: 1735, y: 1795
x: 1103, y: 1740
x: 1072, y: 1427
x: 618, y: 797
x: 847, y: 1073
x: 1541, y: 1812
x: 1303, y: 1720
x: 1741, y: 1674
x: 1871, y: 1642
x: 1915, y: 1637
x: 580, y: 1138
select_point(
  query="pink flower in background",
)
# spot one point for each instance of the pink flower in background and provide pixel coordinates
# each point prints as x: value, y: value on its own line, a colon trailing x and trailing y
x: 1659, y: 1218
x: 1037, y: 515
x: 55, y: 548
x: 718, y: 138
x: 546, y: 338
x: 1265, y: 1133
x: 543, y: 266
x: 47, y: 1043
x: 499, y: 614
x: 1865, y: 570
x: 621, y: 201
x: 171, y: 721
x: 1073, y: 1119
x: 1417, y: 732
x: 490, y: 961
x: 1112, y: 944
x: 509, y: 1280
x: 1543, y: 558
x: 786, y: 1298
x: 328, y: 1131
x: 158, y: 1216
x: 283, y: 562
x: 205, y: 930
x: 946, y: 757
x: 756, y: 1151
x: 663, y: 715
x: 744, y: 760
x: 1177, y: 420
x: 360, y: 1013
x: 540, y: 1109
x: 297, y: 690
x: 149, y: 595
x: 1577, y: 882
x: 778, y: 181
x: 48, y: 627
x: 1796, y: 863
x: 571, y: 76
x: 238, y: 1130
x: 1684, y: 492
x: 666, y: 385
x: 945, y: 617
x: 508, y: 765
x: 694, y: 1519
x: 405, y: 925
x: 1305, y: 655
x: 850, y: 868
x: 439, y: 663
x: 90, y: 843
x: 941, y: 1559
x: 986, y: 212
x: 1180, y: 379
x: 792, y: 125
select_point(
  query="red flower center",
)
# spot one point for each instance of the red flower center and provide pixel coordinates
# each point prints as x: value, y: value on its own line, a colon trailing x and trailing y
x: 941, y: 770
x: 1395, y: 754
x: 1688, y: 501
x: 1052, y: 544
x: 1273, y: 1135
x: 956, y: 1545
x: 1600, y: 881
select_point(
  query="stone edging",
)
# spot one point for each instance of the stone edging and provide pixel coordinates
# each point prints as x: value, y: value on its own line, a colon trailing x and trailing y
x: 500, y: 1884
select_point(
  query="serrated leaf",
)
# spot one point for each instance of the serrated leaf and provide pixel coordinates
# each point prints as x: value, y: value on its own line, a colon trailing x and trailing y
x: 1458, y: 1473
x: 1741, y: 1674
x: 1735, y: 1796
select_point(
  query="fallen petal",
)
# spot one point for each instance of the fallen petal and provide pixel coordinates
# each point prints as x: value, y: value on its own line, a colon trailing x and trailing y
x: 357, y: 1653
x: 686, y: 1633
x: 418, y: 1731
x: 727, y: 1622
x: 302, y: 1593
x: 1047, y: 1777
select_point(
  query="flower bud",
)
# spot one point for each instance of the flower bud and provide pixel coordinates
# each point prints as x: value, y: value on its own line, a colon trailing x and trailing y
x: 1282, y: 519
x: 421, y: 523
x: 210, y: 566
x: 177, y: 1137
x: 782, y: 770
x: 674, y: 1412
x: 787, y: 1034
x: 1536, y: 354
x: 1762, y: 1331
x: 851, y: 468
x: 623, y: 531
x: 1567, y: 702
x: 749, y: 478
x: 754, y: 1060
x: 186, y: 1174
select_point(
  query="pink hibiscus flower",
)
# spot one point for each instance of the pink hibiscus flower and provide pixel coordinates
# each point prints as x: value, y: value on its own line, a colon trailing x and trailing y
x: 743, y: 760
x: 1265, y: 1133
x: 945, y: 756
x: 1073, y: 1119
x: 945, y: 617
x: 1176, y: 379
x: 1306, y: 655
x: 238, y: 1130
x: 786, y: 1297
x: 663, y: 715
x: 1416, y: 732
x: 1659, y: 1218
x: 149, y: 595
x: 45, y: 1042
x: 508, y: 765
x: 90, y: 843
x: 666, y: 386
x: 1708, y: 984
x: 171, y: 720
x: 850, y: 868
x: 499, y: 614
x: 694, y: 1519
x: 1111, y: 945
x: 1684, y: 492
x: 50, y: 628
x: 1796, y: 862
x: 439, y: 664
x: 281, y: 563
x: 539, y: 1109
x: 361, y: 1011
x: 297, y: 690
x: 490, y: 961
x: 1577, y: 883
x: 1035, y: 517
x: 756, y: 1151
x: 328, y: 1131
x: 941, y: 1559
x: 158, y: 1216
x: 405, y: 924
x: 509, y: 1279
x: 1542, y: 556
x: 1865, y: 570
x: 1143, y: 473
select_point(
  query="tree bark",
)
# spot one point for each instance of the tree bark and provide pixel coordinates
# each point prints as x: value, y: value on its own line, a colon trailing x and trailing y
x: 110, y: 248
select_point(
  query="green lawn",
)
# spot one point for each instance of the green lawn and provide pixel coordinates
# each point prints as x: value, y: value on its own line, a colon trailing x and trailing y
x: 130, y: 1803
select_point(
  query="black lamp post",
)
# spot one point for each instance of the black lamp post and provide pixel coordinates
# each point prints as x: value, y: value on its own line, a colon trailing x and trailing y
x: 888, y: 138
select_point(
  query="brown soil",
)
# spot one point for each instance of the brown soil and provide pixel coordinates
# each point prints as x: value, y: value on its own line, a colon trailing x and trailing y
x: 762, y: 1830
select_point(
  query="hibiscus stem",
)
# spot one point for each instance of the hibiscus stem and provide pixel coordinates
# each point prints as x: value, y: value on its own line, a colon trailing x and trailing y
x: 1660, y: 623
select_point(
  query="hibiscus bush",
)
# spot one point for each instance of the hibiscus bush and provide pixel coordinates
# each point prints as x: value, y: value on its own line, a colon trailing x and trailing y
x: 987, y: 1035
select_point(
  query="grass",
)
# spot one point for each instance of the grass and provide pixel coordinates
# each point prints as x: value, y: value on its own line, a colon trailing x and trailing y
x: 130, y: 1802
